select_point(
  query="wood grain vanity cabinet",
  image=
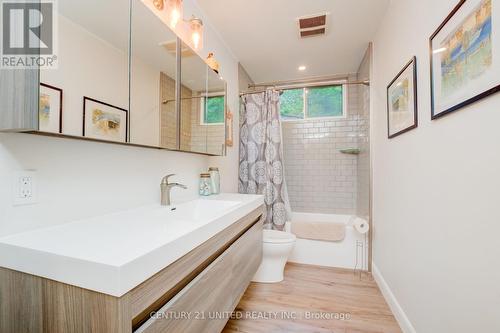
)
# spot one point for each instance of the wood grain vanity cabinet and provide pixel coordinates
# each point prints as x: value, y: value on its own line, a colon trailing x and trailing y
x: 183, y: 297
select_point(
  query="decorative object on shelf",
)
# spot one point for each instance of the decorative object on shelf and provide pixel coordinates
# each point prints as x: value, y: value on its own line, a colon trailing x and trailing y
x: 229, y: 128
x: 196, y: 26
x: 465, y: 57
x: 174, y: 12
x: 104, y: 121
x: 350, y: 151
x: 214, y: 179
x: 402, y: 101
x: 205, y: 184
x: 158, y: 4
x: 50, y: 109
x: 212, y: 63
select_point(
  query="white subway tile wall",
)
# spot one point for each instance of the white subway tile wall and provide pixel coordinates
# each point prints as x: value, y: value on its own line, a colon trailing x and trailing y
x: 319, y: 177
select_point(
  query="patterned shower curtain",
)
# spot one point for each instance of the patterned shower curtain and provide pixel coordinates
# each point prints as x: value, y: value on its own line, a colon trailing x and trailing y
x: 261, y: 156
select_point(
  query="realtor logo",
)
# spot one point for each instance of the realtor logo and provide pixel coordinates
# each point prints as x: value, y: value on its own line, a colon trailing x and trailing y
x: 28, y: 34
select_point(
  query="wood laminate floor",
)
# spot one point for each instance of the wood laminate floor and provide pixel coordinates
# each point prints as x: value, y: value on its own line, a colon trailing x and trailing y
x: 308, y: 292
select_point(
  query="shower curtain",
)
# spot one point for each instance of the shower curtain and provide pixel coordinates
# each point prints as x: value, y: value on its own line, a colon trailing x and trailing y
x: 261, y: 156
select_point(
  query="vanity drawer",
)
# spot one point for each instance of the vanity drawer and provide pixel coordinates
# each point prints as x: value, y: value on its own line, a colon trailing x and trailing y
x: 215, y: 292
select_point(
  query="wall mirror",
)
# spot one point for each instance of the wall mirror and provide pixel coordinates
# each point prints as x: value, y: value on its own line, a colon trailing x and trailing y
x: 214, y: 107
x: 125, y: 77
x: 202, y: 106
x: 153, y: 69
x: 88, y: 94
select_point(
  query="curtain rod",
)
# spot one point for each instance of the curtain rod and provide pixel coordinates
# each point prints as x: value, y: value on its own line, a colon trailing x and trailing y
x: 284, y: 86
x: 292, y: 86
x: 315, y: 79
x: 258, y: 91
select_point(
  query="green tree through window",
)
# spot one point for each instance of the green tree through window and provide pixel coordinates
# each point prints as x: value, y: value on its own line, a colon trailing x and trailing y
x: 292, y: 104
x: 214, y: 110
x: 324, y: 101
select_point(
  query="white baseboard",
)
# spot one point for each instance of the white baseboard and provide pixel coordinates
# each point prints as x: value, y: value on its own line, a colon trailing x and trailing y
x: 396, y: 309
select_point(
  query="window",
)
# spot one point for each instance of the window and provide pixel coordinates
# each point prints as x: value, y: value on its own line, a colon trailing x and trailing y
x: 313, y: 102
x: 212, y: 110
x: 292, y: 104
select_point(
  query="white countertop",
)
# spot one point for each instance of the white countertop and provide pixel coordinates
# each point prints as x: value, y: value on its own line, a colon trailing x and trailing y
x: 114, y: 253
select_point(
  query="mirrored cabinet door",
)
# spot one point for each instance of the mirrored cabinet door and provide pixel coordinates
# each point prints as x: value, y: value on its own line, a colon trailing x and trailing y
x: 153, y: 114
x: 193, y: 89
x: 88, y: 93
x: 214, y: 112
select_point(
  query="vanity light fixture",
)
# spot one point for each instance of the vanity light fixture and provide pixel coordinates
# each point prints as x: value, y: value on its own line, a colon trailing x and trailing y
x: 174, y: 12
x: 196, y: 26
x: 191, y: 29
x: 302, y: 68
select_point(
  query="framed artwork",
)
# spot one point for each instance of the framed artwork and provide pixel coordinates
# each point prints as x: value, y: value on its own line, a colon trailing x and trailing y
x: 465, y: 56
x: 402, y: 114
x: 104, y: 121
x: 50, y: 109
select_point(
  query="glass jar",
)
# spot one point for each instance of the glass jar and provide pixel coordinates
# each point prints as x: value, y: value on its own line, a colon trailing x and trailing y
x: 214, y: 179
x: 205, y: 184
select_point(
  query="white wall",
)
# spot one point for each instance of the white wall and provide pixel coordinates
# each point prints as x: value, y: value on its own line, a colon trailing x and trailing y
x: 79, y: 179
x: 89, y: 66
x: 436, y: 190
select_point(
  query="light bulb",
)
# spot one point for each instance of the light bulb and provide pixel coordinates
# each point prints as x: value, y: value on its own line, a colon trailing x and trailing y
x: 196, y: 39
x: 196, y: 26
x: 174, y: 12
x: 174, y: 18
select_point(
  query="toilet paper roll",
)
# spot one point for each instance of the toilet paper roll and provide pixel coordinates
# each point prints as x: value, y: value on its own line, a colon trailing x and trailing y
x: 361, y: 226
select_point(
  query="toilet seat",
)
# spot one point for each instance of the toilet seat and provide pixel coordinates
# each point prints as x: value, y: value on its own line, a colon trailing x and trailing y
x: 278, y: 237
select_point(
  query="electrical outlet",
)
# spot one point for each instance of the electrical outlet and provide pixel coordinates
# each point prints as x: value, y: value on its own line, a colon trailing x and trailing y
x: 24, y: 190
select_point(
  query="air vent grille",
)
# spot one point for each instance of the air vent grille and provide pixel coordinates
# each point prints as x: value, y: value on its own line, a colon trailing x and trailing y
x: 171, y: 47
x: 312, y: 22
x: 310, y: 33
x: 312, y: 25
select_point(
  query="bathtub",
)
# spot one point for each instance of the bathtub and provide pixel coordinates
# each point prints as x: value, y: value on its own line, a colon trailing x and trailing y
x: 331, y: 254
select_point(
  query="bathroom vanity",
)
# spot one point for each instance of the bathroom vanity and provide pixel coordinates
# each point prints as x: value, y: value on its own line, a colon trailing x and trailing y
x: 179, y: 268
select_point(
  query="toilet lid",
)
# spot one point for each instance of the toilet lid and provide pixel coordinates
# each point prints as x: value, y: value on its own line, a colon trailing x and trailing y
x: 275, y: 236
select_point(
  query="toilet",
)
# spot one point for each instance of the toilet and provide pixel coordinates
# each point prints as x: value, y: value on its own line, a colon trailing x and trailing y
x: 277, y: 245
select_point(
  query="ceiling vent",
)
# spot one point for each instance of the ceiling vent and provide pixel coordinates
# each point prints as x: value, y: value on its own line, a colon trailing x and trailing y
x: 171, y: 47
x: 312, y: 25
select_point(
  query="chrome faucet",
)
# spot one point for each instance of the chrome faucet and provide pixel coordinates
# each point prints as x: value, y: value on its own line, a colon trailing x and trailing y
x: 166, y: 187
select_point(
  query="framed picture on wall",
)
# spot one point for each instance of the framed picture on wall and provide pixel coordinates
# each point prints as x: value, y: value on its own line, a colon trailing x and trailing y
x: 402, y: 101
x: 465, y: 56
x: 104, y: 121
x: 50, y: 108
